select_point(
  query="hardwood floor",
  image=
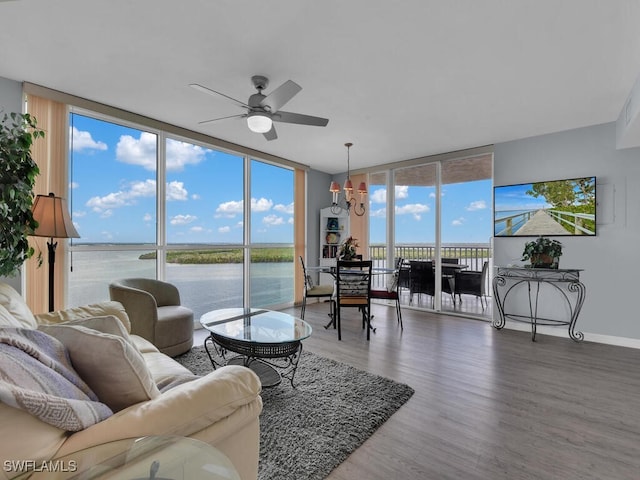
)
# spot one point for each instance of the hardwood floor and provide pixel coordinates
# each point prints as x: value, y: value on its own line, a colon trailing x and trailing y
x: 489, y: 404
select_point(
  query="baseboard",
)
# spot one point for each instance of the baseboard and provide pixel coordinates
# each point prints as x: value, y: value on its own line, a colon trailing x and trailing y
x: 588, y: 337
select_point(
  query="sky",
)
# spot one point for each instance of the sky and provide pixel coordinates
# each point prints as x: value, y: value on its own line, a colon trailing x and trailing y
x: 514, y: 197
x: 466, y: 213
x: 113, y: 181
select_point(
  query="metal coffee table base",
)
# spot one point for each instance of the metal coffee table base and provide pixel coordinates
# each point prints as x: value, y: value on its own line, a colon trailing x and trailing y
x: 271, y: 362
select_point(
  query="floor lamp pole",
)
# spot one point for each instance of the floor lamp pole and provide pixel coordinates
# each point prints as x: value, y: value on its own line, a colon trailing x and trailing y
x: 51, y: 245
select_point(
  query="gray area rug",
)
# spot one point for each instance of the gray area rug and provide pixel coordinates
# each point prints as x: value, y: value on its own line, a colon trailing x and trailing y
x: 307, y: 431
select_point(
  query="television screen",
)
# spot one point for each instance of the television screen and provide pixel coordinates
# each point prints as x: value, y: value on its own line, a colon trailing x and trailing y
x: 557, y: 207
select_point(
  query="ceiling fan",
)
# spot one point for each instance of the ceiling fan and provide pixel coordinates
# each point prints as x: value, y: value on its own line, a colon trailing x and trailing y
x: 263, y: 110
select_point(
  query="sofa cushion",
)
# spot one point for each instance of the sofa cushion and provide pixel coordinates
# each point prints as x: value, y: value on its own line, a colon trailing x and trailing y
x: 109, y: 364
x: 86, y: 311
x: 16, y: 306
x: 37, y: 376
x: 105, y: 324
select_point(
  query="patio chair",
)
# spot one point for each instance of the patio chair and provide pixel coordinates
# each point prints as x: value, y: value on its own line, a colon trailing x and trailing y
x: 392, y: 292
x: 421, y: 279
x: 353, y: 290
x: 473, y: 283
x: 317, y: 291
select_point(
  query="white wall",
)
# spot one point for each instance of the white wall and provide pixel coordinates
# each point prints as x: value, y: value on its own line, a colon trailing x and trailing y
x: 10, y: 101
x: 611, y: 260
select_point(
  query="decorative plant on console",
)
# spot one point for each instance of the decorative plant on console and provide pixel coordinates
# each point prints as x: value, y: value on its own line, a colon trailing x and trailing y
x: 543, y: 252
x: 348, y: 249
x: 18, y: 173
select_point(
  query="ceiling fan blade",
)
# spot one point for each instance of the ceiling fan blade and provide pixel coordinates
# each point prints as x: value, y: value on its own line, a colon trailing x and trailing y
x: 208, y: 91
x: 222, y: 118
x: 271, y: 134
x: 299, y: 118
x: 281, y: 95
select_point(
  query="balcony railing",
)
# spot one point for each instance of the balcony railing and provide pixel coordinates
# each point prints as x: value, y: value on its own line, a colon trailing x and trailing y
x: 472, y: 254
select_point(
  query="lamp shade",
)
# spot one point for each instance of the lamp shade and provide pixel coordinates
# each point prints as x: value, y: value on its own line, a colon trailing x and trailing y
x: 362, y: 188
x: 259, y: 122
x: 348, y: 185
x: 53, y: 218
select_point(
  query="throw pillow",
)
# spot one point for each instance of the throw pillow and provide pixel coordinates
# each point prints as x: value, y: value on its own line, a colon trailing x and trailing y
x: 110, y: 365
x: 36, y: 376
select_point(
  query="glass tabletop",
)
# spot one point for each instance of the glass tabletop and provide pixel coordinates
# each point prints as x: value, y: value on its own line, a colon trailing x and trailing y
x: 256, y: 325
x: 153, y: 457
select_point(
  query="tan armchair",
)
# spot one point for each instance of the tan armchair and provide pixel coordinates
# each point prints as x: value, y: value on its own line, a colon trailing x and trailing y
x: 155, y: 313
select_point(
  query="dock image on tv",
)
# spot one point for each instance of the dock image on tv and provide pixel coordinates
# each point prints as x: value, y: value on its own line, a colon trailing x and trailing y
x: 557, y: 207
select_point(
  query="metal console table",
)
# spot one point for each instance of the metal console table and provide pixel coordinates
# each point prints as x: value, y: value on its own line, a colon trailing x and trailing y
x: 565, y: 281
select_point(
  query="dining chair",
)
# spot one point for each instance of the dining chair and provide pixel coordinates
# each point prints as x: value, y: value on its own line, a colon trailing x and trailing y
x: 353, y: 290
x: 392, y: 291
x: 316, y: 291
x: 473, y: 283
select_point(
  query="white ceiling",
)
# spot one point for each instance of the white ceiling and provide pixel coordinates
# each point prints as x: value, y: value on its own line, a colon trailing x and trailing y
x: 398, y: 79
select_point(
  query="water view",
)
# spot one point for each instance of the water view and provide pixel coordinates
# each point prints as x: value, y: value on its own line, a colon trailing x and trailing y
x: 202, y: 287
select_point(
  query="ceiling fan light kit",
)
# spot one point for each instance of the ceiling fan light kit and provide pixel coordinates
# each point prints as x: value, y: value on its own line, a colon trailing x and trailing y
x: 258, y: 122
x: 349, y: 198
x: 262, y: 110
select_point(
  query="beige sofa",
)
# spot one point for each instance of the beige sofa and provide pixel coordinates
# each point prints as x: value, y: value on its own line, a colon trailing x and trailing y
x: 221, y: 408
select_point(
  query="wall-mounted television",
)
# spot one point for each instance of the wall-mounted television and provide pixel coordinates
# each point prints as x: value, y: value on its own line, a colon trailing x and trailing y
x: 550, y: 208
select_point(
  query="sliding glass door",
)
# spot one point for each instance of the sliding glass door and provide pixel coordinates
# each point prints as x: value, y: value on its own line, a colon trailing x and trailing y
x: 440, y: 213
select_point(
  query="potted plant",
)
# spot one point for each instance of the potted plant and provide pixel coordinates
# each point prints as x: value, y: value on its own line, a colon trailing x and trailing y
x: 348, y: 249
x: 17, y: 178
x: 542, y: 252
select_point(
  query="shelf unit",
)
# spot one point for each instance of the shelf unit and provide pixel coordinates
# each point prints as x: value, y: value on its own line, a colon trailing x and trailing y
x: 334, y: 229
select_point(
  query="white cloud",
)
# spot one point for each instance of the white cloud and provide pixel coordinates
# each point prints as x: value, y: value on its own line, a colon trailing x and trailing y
x: 273, y: 220
x: 74, y: 185
x: 477, y: 205
x: 141, y: 151
x: 147, y: 217
x: 290, y: 221
x: 458, y: 222
x: 229, y: 209
x: 123, y: 198
x: 379, y: 195
x: 379, y: 213
x: 180, y: 154
x: 415, y: 209
x: 183, y: 219
x: 402, y: 191
x: 196, y: 229
x: 82, y: 141
x: 225, y: 229
x: 261, y: 205
x: 79, y: 213
x: 284, y: 208
x: 176, y: 191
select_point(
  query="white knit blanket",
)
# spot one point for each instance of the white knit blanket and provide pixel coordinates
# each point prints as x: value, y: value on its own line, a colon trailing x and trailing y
x: 37, y: 376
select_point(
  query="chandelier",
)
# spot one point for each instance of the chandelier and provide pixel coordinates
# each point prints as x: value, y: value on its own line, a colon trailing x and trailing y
x: 349, y: 198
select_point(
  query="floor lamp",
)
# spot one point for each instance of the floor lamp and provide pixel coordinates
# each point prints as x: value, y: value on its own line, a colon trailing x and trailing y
x: 54, y: 221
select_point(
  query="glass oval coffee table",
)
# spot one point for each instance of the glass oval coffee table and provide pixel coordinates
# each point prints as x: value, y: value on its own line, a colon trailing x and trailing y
x: 266, y: 341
